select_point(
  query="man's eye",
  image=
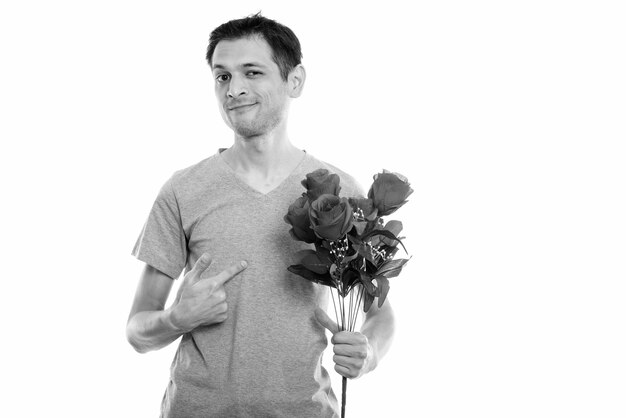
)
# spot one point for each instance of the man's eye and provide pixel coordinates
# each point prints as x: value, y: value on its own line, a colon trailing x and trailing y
x: 253, y: 73
x: 222, y: 78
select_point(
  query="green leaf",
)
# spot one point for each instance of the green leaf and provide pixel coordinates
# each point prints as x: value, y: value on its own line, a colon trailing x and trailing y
x: 392, y: 273
x: 364, y: 251
x: 369, y: 235
x: 324, y: 255
x: 376, y: 232
x: 368, y: 285
x: 347, y: 259
x: 354, y: 239
x: 391, y: 251
x: 367, y: 301
x: 384, y: 233
x: 395, y: 227
x: 313, y: 263
x: 350, y: 278
x: 360, y: 226
x: 302, y: 271
x: 383, y: 289
x: 303, y: 253
x: 392, y: 268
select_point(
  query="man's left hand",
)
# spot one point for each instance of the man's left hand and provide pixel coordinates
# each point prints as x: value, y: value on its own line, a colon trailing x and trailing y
x: 353, y: 351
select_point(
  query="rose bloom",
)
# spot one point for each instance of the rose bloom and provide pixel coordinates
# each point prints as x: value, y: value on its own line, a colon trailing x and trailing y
x: 389, y: 191
x: 331, y: 217
x: 321, y: 182
x: 298, y: 217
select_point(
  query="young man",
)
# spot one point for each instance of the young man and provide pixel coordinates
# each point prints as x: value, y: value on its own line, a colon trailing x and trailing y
x: 252, y: 332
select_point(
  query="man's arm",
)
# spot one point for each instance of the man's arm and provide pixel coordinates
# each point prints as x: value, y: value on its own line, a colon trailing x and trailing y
x: 357, y: 353
x: 149, y: 326
x: 201, y: 300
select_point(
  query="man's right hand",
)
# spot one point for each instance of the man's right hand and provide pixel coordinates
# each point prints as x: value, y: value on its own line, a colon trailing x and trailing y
x: 201, y: 299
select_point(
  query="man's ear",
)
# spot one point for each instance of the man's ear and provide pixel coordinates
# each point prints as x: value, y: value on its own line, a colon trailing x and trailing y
x: 296, y: 79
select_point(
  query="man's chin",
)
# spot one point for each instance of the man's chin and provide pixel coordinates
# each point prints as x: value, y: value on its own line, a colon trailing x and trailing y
x: 254, y: 128
x: 248, y: 131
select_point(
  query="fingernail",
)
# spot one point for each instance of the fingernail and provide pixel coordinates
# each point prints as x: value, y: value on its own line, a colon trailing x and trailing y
x: 244, y: 264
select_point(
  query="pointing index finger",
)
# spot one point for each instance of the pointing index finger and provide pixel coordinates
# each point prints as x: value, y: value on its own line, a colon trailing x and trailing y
x: 230, y: 272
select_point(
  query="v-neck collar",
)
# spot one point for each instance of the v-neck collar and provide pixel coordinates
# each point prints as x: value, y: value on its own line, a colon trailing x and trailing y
x: 246, y: 188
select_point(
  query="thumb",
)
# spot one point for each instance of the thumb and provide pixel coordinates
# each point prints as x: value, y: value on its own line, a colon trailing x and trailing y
x: 323, y: 318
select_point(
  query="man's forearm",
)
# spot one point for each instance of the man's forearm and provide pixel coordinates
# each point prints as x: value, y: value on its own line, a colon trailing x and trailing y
x: 379, y: 329
x: 151, y: 330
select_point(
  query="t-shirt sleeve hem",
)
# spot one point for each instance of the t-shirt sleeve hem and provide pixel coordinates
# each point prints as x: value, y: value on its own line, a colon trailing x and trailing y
x: 158, y: 263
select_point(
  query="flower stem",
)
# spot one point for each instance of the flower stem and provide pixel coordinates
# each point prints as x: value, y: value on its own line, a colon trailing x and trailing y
x: 344, y: 385
x: 356, y: 306
x: 349, y: 326
x: 332, y: 295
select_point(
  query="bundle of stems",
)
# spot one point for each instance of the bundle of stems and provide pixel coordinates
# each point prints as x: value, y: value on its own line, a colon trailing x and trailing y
x: 346, y: 314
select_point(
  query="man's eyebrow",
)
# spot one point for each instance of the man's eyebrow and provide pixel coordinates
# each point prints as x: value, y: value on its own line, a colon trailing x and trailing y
x: 253, y: 64
x: 244, y: 65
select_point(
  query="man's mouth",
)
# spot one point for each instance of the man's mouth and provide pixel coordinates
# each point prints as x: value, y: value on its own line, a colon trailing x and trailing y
x: 240, y: 106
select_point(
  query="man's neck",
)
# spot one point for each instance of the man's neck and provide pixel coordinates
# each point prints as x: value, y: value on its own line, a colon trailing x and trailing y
x: 268, y: 157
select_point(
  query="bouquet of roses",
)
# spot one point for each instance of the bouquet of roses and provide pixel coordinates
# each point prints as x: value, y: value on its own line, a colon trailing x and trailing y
x: 354, y: 247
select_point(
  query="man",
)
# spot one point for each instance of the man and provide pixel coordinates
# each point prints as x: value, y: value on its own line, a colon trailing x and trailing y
x: 252, y: 332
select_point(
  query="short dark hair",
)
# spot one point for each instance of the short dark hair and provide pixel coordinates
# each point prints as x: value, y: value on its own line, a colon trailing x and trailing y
x: 284, y: 43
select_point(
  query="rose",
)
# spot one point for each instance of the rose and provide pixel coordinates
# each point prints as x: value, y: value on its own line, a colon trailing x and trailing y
x: 298, y: 217
x: 331, y: 217
x: 389, y: 192
x: 321, y: 182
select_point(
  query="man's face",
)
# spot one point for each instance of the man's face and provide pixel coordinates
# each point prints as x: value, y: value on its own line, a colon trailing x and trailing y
x: 251, y: 94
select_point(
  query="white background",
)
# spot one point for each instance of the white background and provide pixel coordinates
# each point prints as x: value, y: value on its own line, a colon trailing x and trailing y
x: 507, y: 117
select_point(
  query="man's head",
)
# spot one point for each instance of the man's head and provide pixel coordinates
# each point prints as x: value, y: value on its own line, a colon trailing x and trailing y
x: 285, y: 46
x: 256, y: 67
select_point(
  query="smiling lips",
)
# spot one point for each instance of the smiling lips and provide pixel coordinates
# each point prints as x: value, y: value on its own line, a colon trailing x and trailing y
x: 241, y: 106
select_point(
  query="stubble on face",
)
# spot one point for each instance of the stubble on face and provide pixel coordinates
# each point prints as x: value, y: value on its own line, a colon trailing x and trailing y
x: 259, y: 125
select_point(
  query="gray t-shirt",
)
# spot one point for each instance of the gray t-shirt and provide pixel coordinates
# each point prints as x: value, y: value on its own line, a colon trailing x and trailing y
x: 265, y: 360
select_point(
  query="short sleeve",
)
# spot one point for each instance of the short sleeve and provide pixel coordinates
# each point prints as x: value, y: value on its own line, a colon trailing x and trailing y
x: 162, y: 243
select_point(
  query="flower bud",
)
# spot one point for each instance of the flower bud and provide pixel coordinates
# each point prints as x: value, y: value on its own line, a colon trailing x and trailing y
x: 331, y: 217
x: 321, y: 182
x: 298, y: 217
x: 389, y: 192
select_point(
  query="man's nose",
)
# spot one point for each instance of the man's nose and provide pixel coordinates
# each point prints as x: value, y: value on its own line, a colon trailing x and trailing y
x: 237, y: 87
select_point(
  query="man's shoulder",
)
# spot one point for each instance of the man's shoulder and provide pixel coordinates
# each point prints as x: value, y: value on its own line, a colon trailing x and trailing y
x: 201, y: 171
